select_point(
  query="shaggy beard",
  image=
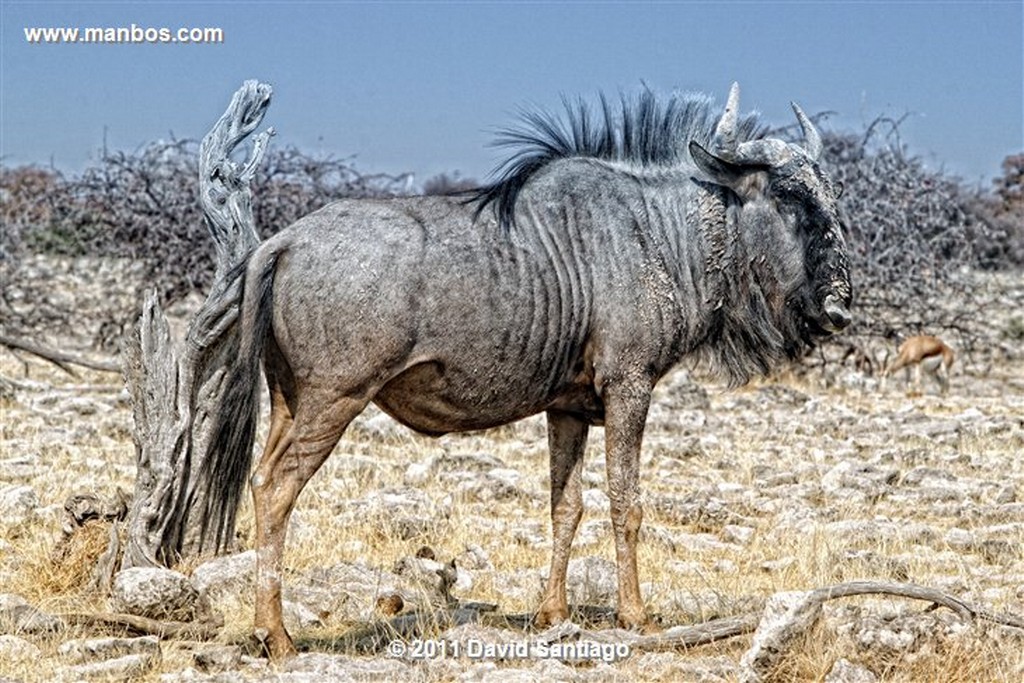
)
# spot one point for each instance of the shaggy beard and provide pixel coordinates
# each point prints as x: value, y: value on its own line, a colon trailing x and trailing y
x: 751, y: 340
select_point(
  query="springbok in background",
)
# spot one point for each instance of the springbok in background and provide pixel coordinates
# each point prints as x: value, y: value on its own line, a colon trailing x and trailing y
x: 923, y: 352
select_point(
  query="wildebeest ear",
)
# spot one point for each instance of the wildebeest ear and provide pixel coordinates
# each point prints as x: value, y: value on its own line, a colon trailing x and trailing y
x: 717, y: 169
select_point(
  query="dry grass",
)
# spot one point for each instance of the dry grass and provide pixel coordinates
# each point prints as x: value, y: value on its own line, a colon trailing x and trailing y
x: 93, y: 448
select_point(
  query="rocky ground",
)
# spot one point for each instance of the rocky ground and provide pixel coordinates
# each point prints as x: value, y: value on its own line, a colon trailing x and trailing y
x: 753, y: 498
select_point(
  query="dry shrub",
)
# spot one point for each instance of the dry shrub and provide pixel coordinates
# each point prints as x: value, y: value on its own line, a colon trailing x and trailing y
x: 60, y: 571
x: 914, y: 236
x: 73, y: 560
x: 144, y: 207
x: 809, y: 657
x: 912, y: 231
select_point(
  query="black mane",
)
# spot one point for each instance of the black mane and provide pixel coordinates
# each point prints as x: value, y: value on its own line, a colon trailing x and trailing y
x: 645, y: 132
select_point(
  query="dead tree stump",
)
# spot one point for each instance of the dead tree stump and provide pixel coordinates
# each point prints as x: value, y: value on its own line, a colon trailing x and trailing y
x: 175, y: 390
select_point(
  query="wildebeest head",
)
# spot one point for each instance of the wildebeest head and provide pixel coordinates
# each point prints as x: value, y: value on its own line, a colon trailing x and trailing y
x: 789, y: 220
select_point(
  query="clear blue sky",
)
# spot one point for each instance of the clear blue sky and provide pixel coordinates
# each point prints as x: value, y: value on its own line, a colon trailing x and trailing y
x: 421, y: 86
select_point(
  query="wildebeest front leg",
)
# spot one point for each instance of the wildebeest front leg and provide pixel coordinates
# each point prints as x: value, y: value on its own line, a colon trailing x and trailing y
x: 625, y: 414
x: 567, y: 438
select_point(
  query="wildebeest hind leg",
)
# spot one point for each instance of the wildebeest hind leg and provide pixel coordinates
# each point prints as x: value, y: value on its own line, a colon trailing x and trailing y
x: 567, y: 438
x: 287, y: 464
x: 280, y: 416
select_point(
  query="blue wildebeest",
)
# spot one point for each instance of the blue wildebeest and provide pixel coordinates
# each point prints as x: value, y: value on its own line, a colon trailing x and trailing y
x: 611, y: 246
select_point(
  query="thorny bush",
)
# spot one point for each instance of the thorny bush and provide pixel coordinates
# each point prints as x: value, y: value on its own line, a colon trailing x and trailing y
x: 913, y: 235
x: 145, y: 207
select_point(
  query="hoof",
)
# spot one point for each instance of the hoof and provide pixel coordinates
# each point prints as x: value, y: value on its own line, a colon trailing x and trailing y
x: 546, y: 618
x: 276, y: 646
x: 635, y: 622
x: 651, y: 628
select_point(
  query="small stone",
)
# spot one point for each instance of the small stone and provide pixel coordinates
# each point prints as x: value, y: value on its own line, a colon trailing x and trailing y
x: 228, y: 574
x: 102, y: 649
x: 960, y: 539
x: 297, y: 615
x: 475, y: 558
x: 15, y: 649
x: 725, y: 566
x: 1007, y: 494
x: 433, y: 574
x: 380, y: 426
x: 592, y: 581
x: 734, y: 533
x: 18, y: 504
x: 122, y: 668
x: 596, y: 500
x: 390, y: 604
x: 218, y: 659
x: 17, y: 616
x: 774, y: 566
x: 417, y: 473
x: 154, y: 592
x: 845, y: 671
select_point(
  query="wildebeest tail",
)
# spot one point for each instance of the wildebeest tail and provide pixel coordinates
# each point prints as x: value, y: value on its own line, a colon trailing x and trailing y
x: 228, y: 459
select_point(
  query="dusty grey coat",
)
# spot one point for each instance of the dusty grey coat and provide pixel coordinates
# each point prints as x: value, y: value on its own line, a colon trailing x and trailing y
x: 614, y: 250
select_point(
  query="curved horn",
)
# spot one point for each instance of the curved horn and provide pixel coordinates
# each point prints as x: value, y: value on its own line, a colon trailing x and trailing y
x: 812, y: 138
x: 724, y: 140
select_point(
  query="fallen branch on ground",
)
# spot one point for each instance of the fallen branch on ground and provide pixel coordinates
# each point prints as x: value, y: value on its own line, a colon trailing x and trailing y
x: 373, y: 637
x: 915, y: 592
x: 61, y: 359
x: 185, y: 630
